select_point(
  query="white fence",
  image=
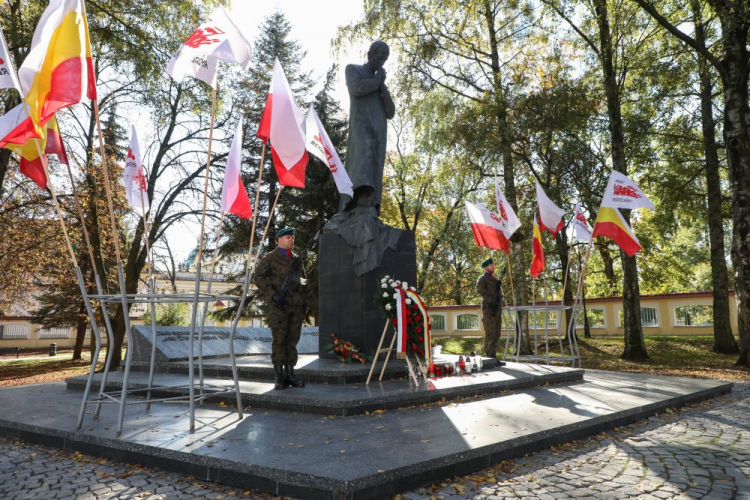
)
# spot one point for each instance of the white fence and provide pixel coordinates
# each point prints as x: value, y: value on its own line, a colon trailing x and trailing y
x: 63, y: 332
x: 15, y: 331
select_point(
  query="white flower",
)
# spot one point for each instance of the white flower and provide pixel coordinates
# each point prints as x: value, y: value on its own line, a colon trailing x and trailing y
x: 388, y: 307
x: 397, y: 283
x: 385, y: 295
x: 395, y: 295
x: 408, y: 302
x: 384, y: 279
x: 383, y: 285
x: 412, y: 289
x: 405, y: 285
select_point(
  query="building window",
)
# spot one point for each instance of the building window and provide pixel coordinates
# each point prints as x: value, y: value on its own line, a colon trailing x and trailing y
x: 438, y: 321
x: 467, y: 322
x: 694, y: 315
x: 537, y: 319
x: 596, y: 318
x: 648, y: 317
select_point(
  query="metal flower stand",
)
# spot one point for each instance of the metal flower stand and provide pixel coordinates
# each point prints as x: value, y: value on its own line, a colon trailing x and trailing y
x: 120, y: 397
x: 512, y: 314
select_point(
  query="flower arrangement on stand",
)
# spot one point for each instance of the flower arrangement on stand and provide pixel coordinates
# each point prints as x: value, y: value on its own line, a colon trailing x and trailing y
x: 406, y: 309
x: 346, y: 351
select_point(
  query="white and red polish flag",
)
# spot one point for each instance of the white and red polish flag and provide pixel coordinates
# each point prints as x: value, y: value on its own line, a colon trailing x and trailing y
x: 234, y: 198
x: 218, y: 39
x: 487, y: 227
x: 16, y: 126
x: 623, y: 192
x: 507, y: 215
x: 8, y: 78
x: 320, y: 146
x: 550, y: 215
x: 282, y: 123
x: 133, y: 177
x: 581, y: 229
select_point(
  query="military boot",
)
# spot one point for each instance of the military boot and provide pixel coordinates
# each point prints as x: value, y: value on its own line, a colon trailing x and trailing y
x: 280, y: 383
x: 289, y: 377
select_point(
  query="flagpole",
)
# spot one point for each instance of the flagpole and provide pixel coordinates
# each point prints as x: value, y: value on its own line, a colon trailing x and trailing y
x: 510, y: 274
x: 268, y: 223
x: 81, y: 285
x: 249, y: 264
x: 191, y: 369
x: 205, y: 305
x: 151, y: 285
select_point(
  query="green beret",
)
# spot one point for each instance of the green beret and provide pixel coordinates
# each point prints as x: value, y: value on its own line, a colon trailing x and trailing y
x: 486, y: 262
x: 285, y: 231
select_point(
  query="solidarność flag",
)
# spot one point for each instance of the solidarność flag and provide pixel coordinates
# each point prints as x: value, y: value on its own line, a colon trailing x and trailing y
x: 320, y: 146
x: 550, y: 215
x: 487, y: 227
x: 135, y: 180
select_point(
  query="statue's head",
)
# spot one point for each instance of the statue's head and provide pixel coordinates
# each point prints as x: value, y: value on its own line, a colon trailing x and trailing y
x: 378, y: 54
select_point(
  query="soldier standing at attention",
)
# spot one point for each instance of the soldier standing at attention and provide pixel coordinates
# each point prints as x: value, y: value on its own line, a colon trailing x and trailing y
x: 488, y: 287
x: 285, y: 321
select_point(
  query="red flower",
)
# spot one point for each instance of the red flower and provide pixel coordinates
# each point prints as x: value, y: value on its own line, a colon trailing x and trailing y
x: 395, y: 321
x: 419, y: 329
x: 345, y: 352
x: 421, y: 339
x: 418, y: 318
x: 421, y: 352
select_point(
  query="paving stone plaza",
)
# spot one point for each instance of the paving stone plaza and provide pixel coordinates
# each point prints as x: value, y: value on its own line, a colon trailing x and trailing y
x: 701, y: 451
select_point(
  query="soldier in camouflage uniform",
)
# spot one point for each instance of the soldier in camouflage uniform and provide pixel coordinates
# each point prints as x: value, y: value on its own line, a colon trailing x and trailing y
x: 286, y: 321
x: 487, y: 285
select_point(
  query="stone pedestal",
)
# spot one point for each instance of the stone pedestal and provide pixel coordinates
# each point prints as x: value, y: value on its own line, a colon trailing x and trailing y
x: 346, y: 300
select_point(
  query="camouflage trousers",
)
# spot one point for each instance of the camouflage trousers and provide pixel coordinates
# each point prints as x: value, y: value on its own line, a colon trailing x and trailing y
x: 286, y: 328
x: 492, y: 328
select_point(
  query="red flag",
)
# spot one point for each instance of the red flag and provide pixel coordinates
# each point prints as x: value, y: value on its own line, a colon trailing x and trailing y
x: 233, y: 194
x: 55, y: 145
x: 537, y: 259
x: 282, y: 124
x: 487, y: 227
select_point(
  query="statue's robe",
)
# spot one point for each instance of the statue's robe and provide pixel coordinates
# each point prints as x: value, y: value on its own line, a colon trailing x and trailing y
x: 371, y: 106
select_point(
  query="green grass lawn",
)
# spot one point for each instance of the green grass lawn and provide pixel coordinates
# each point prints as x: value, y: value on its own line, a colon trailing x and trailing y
x: 683, y: 356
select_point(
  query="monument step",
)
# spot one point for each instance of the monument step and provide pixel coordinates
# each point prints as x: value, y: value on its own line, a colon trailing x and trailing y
x: 350, y: 399
x: 309, y: 368
x: 367, y: 457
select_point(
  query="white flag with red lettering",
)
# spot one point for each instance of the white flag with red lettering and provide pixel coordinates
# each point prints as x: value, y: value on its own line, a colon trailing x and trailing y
x: 8, y: 78
x: 320, y: 146
x: 282, y: 122
x: 135, y: 181
x: 623, y: 192
x: 218, y: 39
x: 507, y: 215
x: 581, y: 229
x: 487, y: 227
x: 550, y: 215
x: 233, y: 194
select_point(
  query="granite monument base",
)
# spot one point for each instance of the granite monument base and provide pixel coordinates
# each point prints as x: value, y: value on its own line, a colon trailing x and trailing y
x: 347, y: 305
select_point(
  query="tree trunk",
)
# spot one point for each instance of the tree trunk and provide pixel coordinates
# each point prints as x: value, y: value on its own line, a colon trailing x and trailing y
x: 522, y: 294
x: 80, y: 332
x: 724, y: 342
x: 567, y: 296
x: 737, y: 137
x: 635, y: 346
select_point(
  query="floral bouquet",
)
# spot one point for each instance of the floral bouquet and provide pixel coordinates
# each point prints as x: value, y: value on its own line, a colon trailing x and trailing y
x: 408, y: 312
x: 346, y: 351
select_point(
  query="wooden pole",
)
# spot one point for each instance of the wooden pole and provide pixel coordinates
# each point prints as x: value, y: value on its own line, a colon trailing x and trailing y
x: 257, y: 200
x: 510, y: 274
x: 565, y: 278
x: 198, y: 266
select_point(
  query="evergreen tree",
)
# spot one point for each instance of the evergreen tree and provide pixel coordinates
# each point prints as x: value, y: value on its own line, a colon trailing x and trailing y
x: 306, y: 209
